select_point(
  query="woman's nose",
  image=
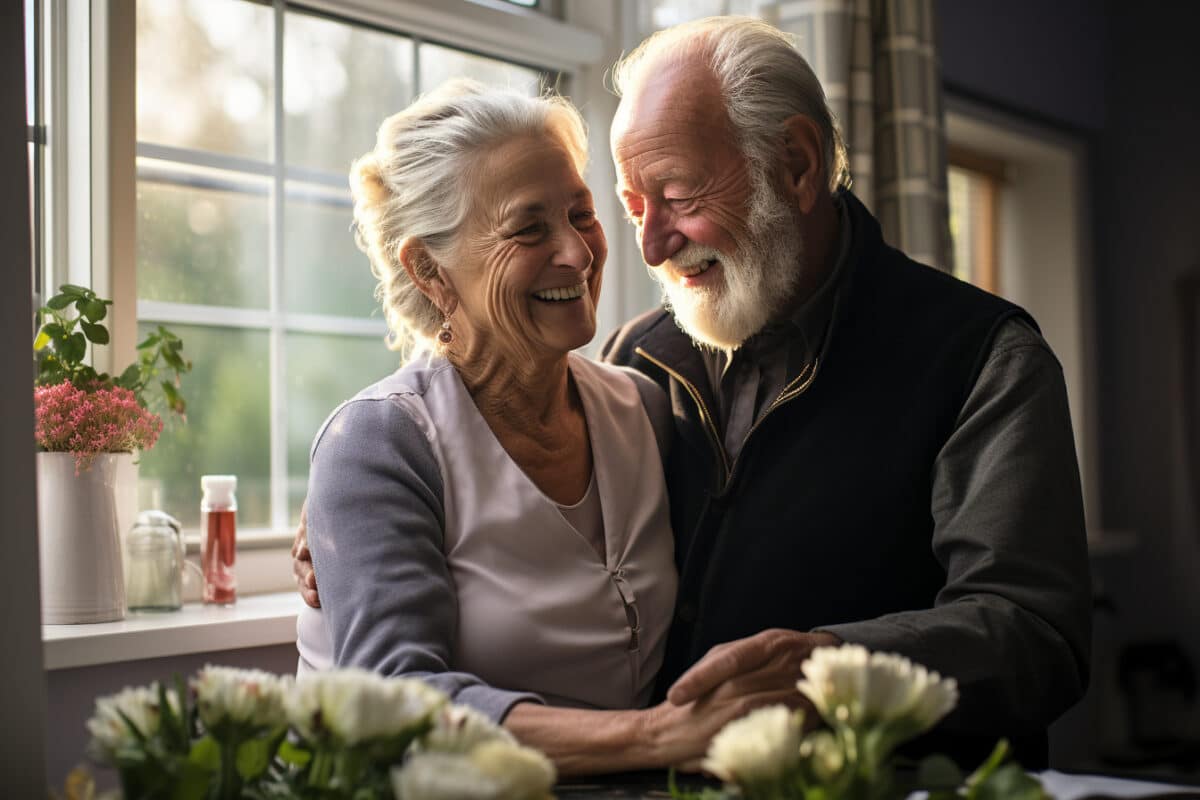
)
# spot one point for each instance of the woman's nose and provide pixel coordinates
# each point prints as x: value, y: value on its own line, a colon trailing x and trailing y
x: 574, y: 251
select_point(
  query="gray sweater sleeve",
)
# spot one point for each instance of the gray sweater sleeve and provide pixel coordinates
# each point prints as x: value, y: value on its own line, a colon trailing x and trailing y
x: 1009, y: 530
x: 375, y: 529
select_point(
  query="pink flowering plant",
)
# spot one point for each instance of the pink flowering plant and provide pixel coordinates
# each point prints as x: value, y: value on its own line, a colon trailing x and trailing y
x: 85, y: 412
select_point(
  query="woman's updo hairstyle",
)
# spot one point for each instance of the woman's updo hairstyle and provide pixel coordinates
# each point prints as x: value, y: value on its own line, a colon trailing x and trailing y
x: 416, y: 184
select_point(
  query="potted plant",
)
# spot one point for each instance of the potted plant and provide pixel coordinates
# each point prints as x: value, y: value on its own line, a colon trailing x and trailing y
x: 87, y: 424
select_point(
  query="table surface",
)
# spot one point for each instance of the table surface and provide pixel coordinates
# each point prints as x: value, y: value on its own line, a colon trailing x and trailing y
x: 1061, y: 785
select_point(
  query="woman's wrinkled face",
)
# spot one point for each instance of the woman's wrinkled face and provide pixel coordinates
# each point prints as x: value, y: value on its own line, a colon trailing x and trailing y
x: 528, y: 263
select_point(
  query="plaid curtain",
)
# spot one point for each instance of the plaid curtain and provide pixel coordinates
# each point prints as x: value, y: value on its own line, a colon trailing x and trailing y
x: 877, y: 60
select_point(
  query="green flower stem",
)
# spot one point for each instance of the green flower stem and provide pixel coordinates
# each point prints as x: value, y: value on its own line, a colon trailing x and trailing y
x: 230, y: 786
x: 321, y: 768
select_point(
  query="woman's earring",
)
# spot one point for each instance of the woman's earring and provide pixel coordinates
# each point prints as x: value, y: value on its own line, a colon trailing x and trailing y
x: 445, y: 336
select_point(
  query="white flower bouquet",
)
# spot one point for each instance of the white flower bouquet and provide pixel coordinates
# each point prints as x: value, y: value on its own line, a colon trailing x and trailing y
x: 870, y: 703
x: 337, y: 734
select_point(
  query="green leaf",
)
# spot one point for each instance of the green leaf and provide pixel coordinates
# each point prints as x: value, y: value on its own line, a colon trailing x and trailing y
x: 73, y: 348
x: 173, y: 360
x: 73, y: 291
x: 54, y: 330
x: 174, y: 399
x: 97, y: 334
x: 59, y: 302
x: 1009, y: 782
x: 193, y: 783
x: 938, y: 772
x: 41, y: 341
x: 206, y: 753
x: 129, y: 378
x: 291, y: 754
x: 92, y: 309
x: 254, y: 755
x: 149, y: 341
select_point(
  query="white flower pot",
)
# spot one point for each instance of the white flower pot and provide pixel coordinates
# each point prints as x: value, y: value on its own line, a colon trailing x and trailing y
x: 79, y: 539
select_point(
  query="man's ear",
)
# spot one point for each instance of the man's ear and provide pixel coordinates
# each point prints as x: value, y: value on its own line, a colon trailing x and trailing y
x: 804, y: 163
x: 427, y: 275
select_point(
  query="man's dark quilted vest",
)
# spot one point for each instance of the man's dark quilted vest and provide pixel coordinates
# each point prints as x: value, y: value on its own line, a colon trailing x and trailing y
x: 825, y: 516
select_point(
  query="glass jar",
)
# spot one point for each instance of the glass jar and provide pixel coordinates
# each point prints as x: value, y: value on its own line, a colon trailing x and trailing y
x: 155, y: 554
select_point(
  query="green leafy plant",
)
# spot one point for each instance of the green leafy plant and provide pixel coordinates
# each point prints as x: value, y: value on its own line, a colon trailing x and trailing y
x: 72, y: 319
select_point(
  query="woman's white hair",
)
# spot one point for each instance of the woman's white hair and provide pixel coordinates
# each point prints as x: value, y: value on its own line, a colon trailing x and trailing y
x: 416, y: 184
x: 763, y: 79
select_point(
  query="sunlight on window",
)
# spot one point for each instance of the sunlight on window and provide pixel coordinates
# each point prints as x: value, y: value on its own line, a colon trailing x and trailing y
x: 441, y: 63
x: 205, y: 75
x: 339, y: 82
x: 974, y: 226
x: 227, y: 430
x: 247, y: 252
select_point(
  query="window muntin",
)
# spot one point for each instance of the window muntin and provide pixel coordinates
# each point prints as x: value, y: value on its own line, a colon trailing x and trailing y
x: 244, y: 245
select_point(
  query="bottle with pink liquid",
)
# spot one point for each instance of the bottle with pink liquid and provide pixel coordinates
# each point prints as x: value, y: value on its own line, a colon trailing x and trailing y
x: 218, y: 529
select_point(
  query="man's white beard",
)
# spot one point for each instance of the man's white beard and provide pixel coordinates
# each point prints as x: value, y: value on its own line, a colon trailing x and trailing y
x: 757, y: 281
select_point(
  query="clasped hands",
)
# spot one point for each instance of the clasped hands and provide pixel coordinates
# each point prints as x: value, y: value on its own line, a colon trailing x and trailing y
x: 730, y: 681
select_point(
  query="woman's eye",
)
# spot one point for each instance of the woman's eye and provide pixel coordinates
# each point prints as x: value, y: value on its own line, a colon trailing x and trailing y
x: 583, y: 219
x: 529, y: 231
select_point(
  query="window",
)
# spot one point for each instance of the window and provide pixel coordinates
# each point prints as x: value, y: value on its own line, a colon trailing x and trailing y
x: 248, y: 117
x: 1016, y: 199
x: 35, y: 134
x: 974, y: 188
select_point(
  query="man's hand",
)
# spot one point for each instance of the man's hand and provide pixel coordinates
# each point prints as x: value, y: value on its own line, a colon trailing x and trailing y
x: 302, y: 566
x: 764, y: 664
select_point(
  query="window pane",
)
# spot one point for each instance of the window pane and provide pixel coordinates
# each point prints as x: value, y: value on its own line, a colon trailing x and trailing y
x: 201, y: 245
x: 205, y: 74
x: 441, y: 63
x: 227, y: 430
x: 323, y: 371
x: 339, y: 82
x: 960, y: 221
x: 325, y: 271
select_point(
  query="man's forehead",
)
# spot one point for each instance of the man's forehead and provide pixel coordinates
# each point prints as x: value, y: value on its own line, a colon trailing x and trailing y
x: 671, y: 93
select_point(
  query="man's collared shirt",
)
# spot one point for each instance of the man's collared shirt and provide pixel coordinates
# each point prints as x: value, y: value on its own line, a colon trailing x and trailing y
x: 747, y: 380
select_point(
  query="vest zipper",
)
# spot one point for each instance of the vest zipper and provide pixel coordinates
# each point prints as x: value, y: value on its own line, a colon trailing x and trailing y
x: 705, y: 417
x: 790, y: 392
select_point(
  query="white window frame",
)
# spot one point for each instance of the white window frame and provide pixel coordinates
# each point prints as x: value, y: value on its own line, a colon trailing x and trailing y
x: 91, y: 121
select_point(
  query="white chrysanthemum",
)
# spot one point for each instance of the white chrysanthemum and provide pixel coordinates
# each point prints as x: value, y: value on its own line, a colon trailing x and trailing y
x: 852, y: 686
x: 140, y: 705
x: 459, y: 729
x: 494, y: 770
x: 240, y: 696
x: 359, y: 706
x: 760, y: 747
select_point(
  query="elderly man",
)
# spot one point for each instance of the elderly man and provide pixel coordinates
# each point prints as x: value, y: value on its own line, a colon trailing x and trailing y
x: 867, y: 450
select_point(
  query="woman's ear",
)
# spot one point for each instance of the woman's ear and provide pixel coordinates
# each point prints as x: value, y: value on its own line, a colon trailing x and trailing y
x: 428, y: 276
x: 804, y: 164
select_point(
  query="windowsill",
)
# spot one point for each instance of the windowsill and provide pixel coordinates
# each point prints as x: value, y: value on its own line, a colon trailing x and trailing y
x: 255, y: 621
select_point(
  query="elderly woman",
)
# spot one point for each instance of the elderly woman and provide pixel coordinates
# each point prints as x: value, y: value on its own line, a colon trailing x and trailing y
x: 492, y: 517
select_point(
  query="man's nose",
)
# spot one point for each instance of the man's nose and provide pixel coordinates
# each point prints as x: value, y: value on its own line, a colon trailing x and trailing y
x: 660, y: 239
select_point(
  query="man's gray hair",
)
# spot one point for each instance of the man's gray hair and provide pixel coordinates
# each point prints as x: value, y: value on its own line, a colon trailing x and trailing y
x: 763, y: 79
x: 416, y: 183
